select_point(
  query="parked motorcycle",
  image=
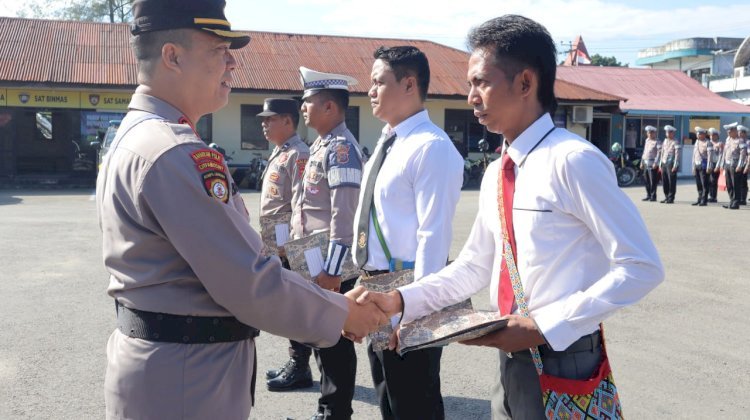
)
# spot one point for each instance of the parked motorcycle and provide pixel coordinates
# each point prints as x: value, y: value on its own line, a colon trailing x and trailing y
x: 628, y: 171
x: 474, y: 168
x: 248, y: 175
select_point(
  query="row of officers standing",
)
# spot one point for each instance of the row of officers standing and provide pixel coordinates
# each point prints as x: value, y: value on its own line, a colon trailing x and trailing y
x: 711, y: 156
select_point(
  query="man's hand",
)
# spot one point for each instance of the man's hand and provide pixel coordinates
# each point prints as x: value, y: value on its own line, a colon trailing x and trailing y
x: 674, y: 169
x: 362, y: 318
x: 391, y: 303
x: 520, y: 334
x: 328, y: 282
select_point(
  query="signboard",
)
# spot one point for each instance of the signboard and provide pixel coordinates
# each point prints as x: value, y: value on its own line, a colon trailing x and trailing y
x: 105, y: 100
x: 3, y: 96
x: 43, y: 98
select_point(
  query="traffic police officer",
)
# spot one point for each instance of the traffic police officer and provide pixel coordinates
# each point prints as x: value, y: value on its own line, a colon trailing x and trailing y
x: 733, y: 161
x: 650, y: 162
x: 742, y: 131
x: 282, y: 183
x: 186, y: 271
x: 328, y: 202
x: 714, y: 170
x: 702, y: 151
x: 669, y: 162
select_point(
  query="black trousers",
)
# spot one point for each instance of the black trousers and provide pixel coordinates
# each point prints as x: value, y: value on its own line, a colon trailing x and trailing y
x: 298, y: 351
x: 408, y: 387
x: 702, y: 184
x: 338, y: 371
x: 651, y: 176
x: 713, y: 185
x: 517, y: 393
x: 669, y: 182
x: 743, y: 189
x: 733, y: 181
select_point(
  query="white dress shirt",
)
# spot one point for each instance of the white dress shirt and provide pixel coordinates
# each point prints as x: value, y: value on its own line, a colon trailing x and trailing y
x: 415, y: 197
x: 583, y: 250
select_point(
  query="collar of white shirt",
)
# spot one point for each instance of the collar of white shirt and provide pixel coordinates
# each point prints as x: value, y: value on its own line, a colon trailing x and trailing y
x: 408, y: 125
x: 523, y: 144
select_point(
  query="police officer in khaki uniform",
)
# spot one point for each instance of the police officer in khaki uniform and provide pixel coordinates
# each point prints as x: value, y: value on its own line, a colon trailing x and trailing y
x: 328, y: 202
x: 650, y: 162
x: 702, y: 150
x: 717, y: 149
x: 282, y: 183
x: 742, y: 132
x: 190, y: 284
x: 733, y: 161
x: 669, y: 162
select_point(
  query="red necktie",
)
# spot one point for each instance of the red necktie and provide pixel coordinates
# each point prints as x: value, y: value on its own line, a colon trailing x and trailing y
x: 505, y: 295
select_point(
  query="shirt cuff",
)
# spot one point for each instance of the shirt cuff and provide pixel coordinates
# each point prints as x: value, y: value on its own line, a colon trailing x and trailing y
x: 414, y: 307
x: 557, y: 331
x: 337, y: 254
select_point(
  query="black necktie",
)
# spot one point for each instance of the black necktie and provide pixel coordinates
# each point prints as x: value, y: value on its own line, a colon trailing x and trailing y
x: 363, y: 225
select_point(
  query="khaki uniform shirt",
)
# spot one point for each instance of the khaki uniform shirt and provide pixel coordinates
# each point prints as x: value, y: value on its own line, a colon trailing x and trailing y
x: 176, y: 239
x: 670, y: 153
x: 650, y: 152
x: 702, y: 150
x: 735, y: 153
x: 715, y: 154
x: 329, y: 199
x: 282, y: 179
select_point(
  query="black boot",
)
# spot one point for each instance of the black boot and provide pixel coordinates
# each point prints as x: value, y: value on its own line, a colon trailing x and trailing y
x: 295, y: 375
x: 272, y: 373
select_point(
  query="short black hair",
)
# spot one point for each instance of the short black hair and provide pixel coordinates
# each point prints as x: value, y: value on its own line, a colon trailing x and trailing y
x: 407, y: 61
x: 294, y: 117
x: 147, y: 46
x: 518, y: 43
x: 339, y: 96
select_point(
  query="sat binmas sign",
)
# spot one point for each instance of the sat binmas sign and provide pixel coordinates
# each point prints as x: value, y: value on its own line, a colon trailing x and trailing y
x: 43, y: 98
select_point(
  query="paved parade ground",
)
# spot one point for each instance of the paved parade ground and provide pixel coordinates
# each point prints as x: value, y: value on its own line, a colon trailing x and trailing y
x: 680, y: 353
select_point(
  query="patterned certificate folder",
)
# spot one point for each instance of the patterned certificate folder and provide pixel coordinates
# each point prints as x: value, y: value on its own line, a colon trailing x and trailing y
x: 269, y: 225
x: 459, y: 322
x: 385, y: 283
x: 455, y: 323
x: 307, y: 255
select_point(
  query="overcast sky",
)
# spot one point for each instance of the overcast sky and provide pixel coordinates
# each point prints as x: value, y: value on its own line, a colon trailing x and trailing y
x: 608, y: 28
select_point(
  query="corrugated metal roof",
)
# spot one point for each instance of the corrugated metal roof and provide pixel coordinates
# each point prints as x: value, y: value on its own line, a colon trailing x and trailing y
x: 651, y: 90
x: 89, y: 53
x: 565, y: 90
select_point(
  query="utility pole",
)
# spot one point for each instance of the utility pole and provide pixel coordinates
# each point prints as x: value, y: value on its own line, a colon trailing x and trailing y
x: 574, y: 56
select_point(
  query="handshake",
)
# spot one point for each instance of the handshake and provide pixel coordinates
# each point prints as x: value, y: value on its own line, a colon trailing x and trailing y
x: 369, y: 310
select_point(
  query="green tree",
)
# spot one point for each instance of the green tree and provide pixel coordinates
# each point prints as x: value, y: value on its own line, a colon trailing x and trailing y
x: 598, y: 60
x: 86, y: 10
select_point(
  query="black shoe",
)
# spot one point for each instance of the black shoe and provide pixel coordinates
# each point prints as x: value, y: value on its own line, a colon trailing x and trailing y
x: 712, y: 200
x: 743, y: 203
x: 646, y: 199
x: 295, y: 376
x: 663, y: 201
x: 318, y: 416
x: 270, y: 374
x: 731, y: 207
x: 670, y: 201
x: 702, y: 204
x: 653, y: 199
x: 696, y: 203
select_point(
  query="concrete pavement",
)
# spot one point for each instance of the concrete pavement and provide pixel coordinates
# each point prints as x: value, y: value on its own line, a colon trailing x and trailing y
x: 680, y: 353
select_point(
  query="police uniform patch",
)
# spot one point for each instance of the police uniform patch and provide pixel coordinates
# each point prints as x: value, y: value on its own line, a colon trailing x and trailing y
x: 301, y: 163
x: 210, y: 165
x: 342, y: 153
x: 362, y: 242
x: 274, y: 177
x: 273, y: 192
x: 313, y: 190
x: 283, y: 157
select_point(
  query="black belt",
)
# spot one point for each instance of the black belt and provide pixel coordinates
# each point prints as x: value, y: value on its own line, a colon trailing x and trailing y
x: 170, y: 328
x: 371, y: 273
x: 588, y: 342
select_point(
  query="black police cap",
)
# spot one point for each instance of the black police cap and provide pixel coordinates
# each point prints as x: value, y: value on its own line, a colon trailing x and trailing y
x: 206, y: 15
x: 273, y: 106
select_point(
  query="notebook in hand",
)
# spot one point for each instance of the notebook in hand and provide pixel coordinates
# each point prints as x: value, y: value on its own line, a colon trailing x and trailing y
x: 307, y: 255
x: 274, y: 230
